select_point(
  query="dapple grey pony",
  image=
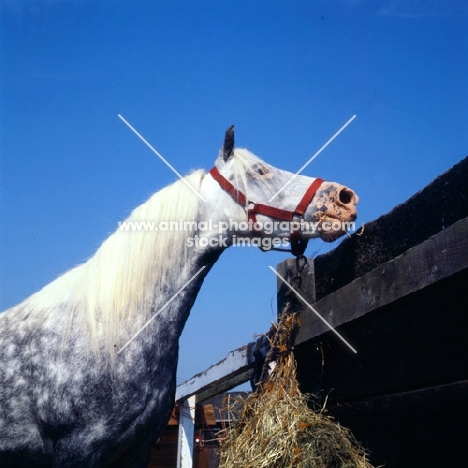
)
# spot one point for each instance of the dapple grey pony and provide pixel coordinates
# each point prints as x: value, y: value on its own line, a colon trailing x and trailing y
x: 88, y: 363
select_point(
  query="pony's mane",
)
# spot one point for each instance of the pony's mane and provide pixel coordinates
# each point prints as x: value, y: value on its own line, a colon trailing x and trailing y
x: 120, y: 279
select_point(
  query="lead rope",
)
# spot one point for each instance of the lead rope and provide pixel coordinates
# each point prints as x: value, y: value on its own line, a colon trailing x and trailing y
x: 301, y: 263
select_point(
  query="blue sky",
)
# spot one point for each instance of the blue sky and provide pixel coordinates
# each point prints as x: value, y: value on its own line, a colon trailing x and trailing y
x: 287, y: 74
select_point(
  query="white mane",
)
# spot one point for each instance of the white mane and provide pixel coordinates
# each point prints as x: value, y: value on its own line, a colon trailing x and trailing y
x: 120, y: 279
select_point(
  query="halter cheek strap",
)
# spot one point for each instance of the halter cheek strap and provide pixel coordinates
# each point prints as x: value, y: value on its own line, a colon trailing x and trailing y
x: 308, y: 197
x: 298, y: 245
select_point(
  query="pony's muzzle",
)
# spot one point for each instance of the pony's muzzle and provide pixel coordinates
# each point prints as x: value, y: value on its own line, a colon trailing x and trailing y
x: 335, y: 209
x: 347, y: 196
x: 348, y: 199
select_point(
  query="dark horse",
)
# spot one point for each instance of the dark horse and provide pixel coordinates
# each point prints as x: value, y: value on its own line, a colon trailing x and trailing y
x: 88, y: 364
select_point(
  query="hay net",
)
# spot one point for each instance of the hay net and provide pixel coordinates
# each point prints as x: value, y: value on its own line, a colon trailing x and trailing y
x: 276, y: 427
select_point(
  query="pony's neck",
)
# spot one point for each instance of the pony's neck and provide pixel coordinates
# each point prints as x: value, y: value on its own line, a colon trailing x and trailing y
x: 186, y: 256
x: 146, y: 267
x: 145, y: 264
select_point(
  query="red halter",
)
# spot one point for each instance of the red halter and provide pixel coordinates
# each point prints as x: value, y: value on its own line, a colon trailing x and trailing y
x: 298, y: 246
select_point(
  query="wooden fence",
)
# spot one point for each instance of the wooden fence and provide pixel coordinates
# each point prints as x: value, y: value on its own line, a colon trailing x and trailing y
x: 398, y: 295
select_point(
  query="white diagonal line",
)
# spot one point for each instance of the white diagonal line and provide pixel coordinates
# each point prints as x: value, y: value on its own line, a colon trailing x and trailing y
x: 161, y: 157
x: 311, y: 308
x: 161, y: 309
x: 312, y: 158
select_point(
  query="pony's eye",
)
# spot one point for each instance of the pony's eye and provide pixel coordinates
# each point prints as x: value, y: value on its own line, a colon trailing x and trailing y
x: 259, y: 171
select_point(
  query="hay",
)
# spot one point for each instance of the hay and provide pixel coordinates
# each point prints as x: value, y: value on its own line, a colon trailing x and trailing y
x: 277, y: 429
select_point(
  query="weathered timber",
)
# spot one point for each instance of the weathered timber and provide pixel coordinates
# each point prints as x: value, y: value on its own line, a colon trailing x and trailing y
x: 421, y: 398
x: 418, y: 341
x: 436, y: 207
x: 164, y: 450
x: 287, y: 270
x: 411, y: 429
x: 233, y: 370
x: 441, y: 256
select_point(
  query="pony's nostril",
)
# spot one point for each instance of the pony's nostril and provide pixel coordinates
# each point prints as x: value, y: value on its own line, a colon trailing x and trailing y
x: 346, y: 196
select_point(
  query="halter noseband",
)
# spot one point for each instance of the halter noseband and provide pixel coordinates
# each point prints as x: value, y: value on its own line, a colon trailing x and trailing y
x: 298, y: 245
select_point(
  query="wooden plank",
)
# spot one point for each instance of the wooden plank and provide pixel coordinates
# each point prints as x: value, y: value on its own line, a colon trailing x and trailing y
x: 423, y: 427
x: 287, y: 270
x: 421, y: 398
x: 231, y: 371
x: 415, y: 342
x: 186, y: 433
x: 438, y: 257
x: 174, y: 419
x: 207, y: 457
x: 224, y: 385
x: 164, y: 450
x: 205, y: 415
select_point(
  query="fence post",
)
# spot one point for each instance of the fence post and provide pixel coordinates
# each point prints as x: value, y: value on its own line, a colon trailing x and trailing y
x: 186, y: 432
x: 287, y: 269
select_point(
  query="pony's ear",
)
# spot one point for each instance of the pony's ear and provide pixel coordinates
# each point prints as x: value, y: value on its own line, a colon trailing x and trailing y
x: 228, y: 146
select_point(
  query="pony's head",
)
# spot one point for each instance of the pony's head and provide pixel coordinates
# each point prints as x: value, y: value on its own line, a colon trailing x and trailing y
x: 278, y: 204
x: 144, y: 262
